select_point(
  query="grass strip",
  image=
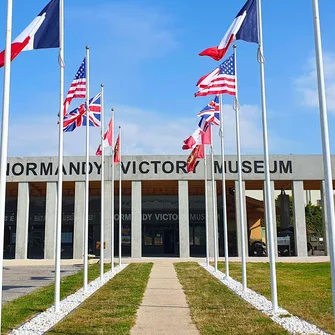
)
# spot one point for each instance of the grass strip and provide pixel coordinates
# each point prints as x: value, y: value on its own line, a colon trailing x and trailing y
x: 18, y: 311
x: 304, y: 289
x: 112, y: 309
x: 217, y: 310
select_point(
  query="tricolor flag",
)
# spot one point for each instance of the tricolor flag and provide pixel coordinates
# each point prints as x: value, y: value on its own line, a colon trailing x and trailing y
x: 223, y: 82
x: 42, y: 32
x: 197, y: 152
x: 107, y: 141
x: 244, y: 27
x: 117, y: 151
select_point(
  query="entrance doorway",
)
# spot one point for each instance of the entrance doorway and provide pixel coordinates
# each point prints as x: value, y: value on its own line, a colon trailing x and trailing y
x: 169, y: 241
x: 160, y: 239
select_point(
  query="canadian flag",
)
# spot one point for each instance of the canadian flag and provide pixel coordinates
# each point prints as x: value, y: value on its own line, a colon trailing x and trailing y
x: 107, y: 141
x: 42, y: 32
x: 198, y: 137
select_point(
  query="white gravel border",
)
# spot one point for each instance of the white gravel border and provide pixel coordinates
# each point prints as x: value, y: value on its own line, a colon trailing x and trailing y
x: 292, y: 324
x: 46, y: 320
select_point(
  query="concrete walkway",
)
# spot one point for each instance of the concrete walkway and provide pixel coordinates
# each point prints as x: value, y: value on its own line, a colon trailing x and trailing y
x: 164, y: 309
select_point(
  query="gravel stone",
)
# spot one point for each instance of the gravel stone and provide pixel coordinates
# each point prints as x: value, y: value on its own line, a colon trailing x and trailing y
x: 293, y: 324
x: 46, y: 320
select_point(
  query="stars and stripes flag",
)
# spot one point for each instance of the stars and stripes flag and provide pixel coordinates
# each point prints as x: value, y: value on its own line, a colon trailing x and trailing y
x: 77, y: 117
x: 219, y: 81
x: 244, y: 27
x: 78, y: 86
x: 210, y: 114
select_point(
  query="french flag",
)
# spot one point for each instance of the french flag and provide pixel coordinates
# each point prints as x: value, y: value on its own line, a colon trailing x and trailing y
x: 244, y: 27
x: 42, y: 32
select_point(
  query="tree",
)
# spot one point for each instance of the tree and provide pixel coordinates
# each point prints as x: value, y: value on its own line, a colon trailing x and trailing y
x: 313, y: 216
x: 314, y: 219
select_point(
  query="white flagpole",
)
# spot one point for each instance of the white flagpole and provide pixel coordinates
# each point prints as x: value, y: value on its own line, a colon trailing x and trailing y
x: 224, y: 198
x: 4, y: 137
x: 325, y: 142
x: 120, y: 203
x: 268, y: 201
x: 113, y: 209
x: 215, y: 215
x: 240, y: 188
x: 60, y: 159
x: 206, y: 206
x: 87, y: 189
x: 102, y: 215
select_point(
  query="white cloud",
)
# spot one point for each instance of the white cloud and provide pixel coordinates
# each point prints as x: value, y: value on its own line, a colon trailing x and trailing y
x: 306, y: 84
x: 131, y: 30
x: 143, y: 132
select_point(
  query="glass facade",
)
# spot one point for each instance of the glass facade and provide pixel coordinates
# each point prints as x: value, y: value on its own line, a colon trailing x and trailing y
x: 10, y: 228
x: 160, y: 225
x: 36, y: 230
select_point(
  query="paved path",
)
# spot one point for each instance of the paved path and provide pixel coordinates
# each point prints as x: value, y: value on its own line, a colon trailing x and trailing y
x: 164, y: 309
x: 20, y: 280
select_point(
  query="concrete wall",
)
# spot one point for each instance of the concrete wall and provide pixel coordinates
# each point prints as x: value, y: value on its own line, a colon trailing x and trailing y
x: 283, y: 167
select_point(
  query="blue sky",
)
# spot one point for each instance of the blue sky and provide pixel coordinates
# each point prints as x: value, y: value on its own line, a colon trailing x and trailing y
x: 146, y: 54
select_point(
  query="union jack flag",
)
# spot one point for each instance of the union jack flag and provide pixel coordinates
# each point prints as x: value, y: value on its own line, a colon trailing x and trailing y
x: 77, y: 117
x: 210, y: 114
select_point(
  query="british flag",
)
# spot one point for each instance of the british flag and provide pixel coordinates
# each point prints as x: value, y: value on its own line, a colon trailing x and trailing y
x: 77, y: 117
x: 210, y: 114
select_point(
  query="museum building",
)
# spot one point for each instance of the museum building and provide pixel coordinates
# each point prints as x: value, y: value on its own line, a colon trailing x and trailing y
x: 163, y: 207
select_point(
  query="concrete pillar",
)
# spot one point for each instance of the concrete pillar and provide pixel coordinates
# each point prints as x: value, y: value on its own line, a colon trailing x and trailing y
x: 274, y: 215
x: 238, y: 220
x: 325, y: 219
x: 79, y: 213
x: 136, y: 219
x: 22, y: 221
x: 299, y: 218
x: 108, y: 217
x: 50, y: 220
x: 184, y: 225
x: 210, y: 217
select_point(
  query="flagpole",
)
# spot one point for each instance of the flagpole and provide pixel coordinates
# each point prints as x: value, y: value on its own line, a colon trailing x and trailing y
x: 239, y: 172
x: 87, y: 188
x: 120, y: 202
x: 102, y: 215
x: 59, y: 216
x: 113, y: 193
x: 325, y: 142
x: 224, y: 198
x: 268, y: 201
x: 4, y: 138
x: 215, y: 231
x: 206, y: 207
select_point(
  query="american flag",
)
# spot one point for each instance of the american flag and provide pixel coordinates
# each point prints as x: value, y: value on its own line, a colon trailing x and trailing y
x: 78, y: 86
x: 219, y: 81
x: 210, y: 114
x: 77, y: 117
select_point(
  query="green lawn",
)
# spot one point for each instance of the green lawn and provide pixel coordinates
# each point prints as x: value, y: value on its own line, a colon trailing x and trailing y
x: 112, y: 309
x: 217, y: 310
x: 303, y: 289
x: 17, y: 311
